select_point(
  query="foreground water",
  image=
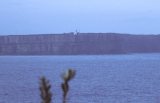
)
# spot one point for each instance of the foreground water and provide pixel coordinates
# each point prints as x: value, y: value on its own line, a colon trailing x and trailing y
x: 100, y: 79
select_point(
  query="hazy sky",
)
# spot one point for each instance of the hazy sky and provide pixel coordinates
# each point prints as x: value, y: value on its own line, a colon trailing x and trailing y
x: 59, y: 16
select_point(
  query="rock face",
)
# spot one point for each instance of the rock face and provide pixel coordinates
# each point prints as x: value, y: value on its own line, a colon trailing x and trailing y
x: 81, y: 43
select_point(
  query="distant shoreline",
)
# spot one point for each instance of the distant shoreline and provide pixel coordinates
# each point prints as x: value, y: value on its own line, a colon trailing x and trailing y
x: 78, y: 44
x: 72, y: 33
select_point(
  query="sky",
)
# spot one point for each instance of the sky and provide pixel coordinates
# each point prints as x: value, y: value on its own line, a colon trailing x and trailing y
x: 63, y: 16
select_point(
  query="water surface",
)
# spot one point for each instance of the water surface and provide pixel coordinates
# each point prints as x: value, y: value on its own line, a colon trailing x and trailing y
x: 100, y: 79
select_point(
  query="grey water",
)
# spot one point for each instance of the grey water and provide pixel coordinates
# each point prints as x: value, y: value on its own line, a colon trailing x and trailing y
x: 131, y: 78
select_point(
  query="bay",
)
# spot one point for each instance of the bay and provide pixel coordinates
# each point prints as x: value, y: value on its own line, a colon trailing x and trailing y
x: 130, y: 78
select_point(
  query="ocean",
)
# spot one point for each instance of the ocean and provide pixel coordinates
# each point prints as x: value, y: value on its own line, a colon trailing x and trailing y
x: 128, y: 78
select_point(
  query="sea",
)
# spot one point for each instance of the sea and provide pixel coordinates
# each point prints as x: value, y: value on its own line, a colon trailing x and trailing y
x: 125, y: 78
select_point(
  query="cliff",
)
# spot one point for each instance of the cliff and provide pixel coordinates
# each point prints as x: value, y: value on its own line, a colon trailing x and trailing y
x: 81, y: 43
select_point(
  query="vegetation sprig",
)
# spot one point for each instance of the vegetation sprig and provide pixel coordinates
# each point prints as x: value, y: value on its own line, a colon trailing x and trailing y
x: 45, y: 87
x: 67, y: 76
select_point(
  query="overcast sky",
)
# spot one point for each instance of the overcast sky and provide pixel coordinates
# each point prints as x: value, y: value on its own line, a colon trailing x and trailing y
x: 59, y: 16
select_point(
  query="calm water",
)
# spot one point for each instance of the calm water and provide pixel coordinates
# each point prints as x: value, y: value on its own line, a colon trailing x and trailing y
x: 100, y: 79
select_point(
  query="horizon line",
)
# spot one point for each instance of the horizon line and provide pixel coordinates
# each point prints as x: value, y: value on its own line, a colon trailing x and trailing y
x: 77, y: 33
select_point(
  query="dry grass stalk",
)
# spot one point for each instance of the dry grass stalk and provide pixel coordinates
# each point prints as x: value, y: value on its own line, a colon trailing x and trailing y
x: 65, y: 86
x: 45, y: 87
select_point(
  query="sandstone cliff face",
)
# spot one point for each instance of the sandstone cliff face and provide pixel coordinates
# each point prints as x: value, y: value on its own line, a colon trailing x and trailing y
x: 82, y: 43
